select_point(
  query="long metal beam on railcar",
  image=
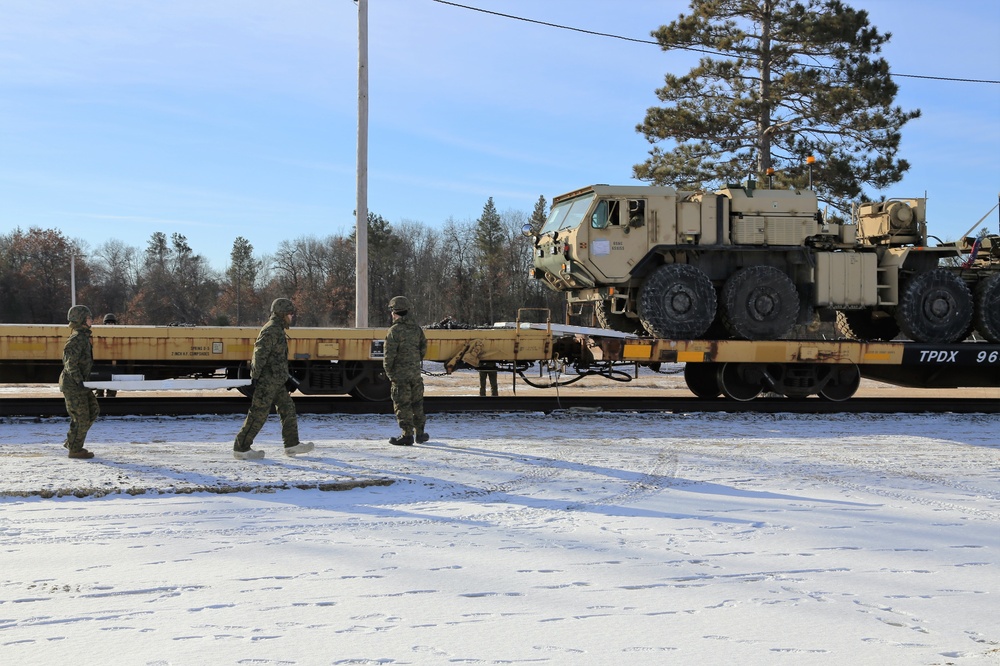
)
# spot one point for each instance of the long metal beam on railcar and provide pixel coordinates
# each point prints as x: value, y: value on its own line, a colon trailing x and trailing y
x: 742, y: 369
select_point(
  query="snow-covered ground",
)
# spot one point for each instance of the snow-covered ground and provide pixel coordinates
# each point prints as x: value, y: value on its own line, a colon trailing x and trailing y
x: 570, y: 538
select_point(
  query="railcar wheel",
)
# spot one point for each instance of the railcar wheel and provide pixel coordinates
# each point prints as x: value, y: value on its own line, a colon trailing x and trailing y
x: 843, y: 382
x: 868, y: 324
x: 615, y: 321
x: 759, y: 303
x: 702, y: 379
x: 934, y: 306
x: 373, y: 386
x: 740, y: 381
x: 677, y: 302
x: 988, y: 308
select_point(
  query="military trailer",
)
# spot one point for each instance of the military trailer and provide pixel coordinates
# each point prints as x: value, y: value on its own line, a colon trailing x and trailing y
x: 750, y: 263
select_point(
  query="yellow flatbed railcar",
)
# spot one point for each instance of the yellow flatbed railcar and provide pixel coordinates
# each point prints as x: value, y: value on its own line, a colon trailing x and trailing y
x: 342, y: 360
x: 324, y: 360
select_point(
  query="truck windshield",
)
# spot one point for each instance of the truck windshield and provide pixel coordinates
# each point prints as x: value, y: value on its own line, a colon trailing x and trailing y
x: 567, y: 214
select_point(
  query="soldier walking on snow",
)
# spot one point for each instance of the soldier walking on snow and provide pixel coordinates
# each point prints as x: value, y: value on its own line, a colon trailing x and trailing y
x: 269, y: 373
x: 405, y: 347
x: 78, y: 359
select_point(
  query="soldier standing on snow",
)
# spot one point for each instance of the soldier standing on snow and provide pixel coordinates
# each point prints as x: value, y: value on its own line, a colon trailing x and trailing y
x: 78, y: 359
x: 405, y: 347
x: 269, y: 372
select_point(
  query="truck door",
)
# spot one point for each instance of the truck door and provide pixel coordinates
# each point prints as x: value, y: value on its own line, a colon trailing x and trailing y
x: 614, y: 234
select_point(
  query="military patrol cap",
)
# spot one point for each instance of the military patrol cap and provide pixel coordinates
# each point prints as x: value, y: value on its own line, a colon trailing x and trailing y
x: 78, y: 314
x: 399, y: 304
x: 282, y: 306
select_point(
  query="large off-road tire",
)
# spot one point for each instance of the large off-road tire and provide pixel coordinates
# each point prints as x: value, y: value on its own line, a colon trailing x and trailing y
x: 614, y: 321
x: 934, y: 306
x: 718, y: 330
x: 868, y: 324
x: 987, y: 300
x: 677, y: 302
x: 759, y: 303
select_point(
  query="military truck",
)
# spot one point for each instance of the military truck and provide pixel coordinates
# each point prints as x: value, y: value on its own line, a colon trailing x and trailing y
x: 751, y: 263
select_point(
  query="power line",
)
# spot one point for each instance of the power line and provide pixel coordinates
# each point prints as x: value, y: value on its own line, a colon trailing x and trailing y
x: 682, y: 48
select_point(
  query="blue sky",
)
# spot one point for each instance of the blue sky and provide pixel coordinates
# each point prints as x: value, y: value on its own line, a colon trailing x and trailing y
x: 221, y: 118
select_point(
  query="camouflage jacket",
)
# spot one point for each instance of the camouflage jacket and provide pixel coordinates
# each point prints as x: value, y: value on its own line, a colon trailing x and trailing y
x: 270, y: 353
x: 405, y: 346
x: 78, y: 359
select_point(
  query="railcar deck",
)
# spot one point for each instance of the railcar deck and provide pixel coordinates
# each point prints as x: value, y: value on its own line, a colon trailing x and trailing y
x: 343, y: 360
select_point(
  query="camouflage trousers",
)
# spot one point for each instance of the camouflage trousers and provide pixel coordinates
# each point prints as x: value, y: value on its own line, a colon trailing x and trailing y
x: 81, y: 405
x: 264, y: 398
x: 408, y: 404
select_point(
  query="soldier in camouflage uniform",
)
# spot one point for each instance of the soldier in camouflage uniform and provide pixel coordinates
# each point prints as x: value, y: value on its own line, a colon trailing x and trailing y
x: 405, y: 347
x: 78, y: 359
x: 269, y: 372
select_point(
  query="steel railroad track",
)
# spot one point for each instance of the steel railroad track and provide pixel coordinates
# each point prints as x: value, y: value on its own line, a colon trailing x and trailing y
x: 182, y: 406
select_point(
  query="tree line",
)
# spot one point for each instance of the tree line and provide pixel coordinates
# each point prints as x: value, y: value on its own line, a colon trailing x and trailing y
x: 473, y: 273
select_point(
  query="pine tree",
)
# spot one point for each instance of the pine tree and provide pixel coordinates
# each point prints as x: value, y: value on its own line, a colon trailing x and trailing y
x: 539, y: 214
x: 783, y: 80
x: 491, y: 260
x: 240, y: 289
x: 385, y: 268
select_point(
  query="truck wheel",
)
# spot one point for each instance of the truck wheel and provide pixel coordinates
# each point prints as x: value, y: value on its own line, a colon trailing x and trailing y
x: 868, y: 324
x: 702, y: 379
x: 759, y: 303
x: 934, y: 306
x: 677, y: 302
x: 988, y: 308
x: 614, y: 321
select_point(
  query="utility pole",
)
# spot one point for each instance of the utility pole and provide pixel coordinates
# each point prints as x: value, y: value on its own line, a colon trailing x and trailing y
x: 361, y: 212
x: 72, y: 279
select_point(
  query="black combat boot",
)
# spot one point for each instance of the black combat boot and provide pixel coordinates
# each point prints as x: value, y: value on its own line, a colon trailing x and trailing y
x: 402, y: 440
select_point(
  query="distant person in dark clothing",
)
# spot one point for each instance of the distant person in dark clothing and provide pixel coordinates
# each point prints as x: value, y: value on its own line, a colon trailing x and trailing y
x: 488, y: 372
x: 109, y: 320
